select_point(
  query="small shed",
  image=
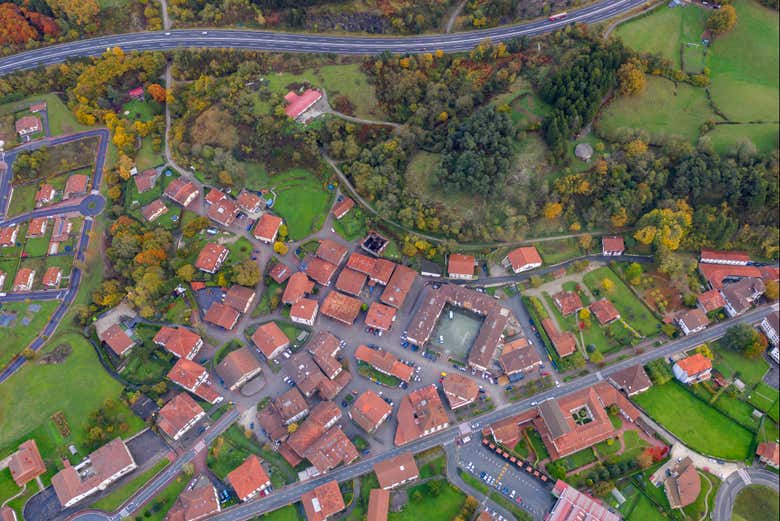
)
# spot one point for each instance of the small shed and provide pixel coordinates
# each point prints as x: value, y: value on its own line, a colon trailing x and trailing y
x: 583, y: 151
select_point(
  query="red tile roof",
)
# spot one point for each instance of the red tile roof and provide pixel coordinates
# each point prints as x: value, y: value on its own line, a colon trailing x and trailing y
x: 383, y: 271
x: 223, y: 211
x: 298, y: 103
x: 7, y: 235
x: 76, y: 184
x: 269, y: 339
x: 341, y: 208
x: 684, y: 485
x: 28, y: 124
x: 711, y: 300
x: 222, y: 316
x: 568, y: 302
x: 211, y: 257
x: 322, y: 502
x: 280, y: 273
x: 385, y: 362
x: 154, y: 210
x: 304, y: 310
x: 267, y: 227
x: 45, y: 193
x: 614, y: 243
x: 178, y: 340
x: 769, y: 451
x: 369, y: 410
x: 239, y: 298
x: 37, y: 226
x: 693, y: 318
x: 380, y: 316
x: 249, y: 202
x: 341, y: 307
x: 194, y: 377
x: 717, y: 273
x: 361, y: 263
x: 116, y: 338
x: 52, y: 276
x: 195, y: 504
x: 459, y: 264
x: 565, y: 343
x: 573, y: 505
x: 398, y: 286
x: 237, y: 367
x: 26, y: 463
x: 145, y: 180
x: 605, y: 311
x: 181, y: 191
x: 524, y: 256
x: 291, y: 404
x: 177, y: 413
x: 350, y: 281
x: 8, y: 514
x: 420, y: 413
x: 695, y: 364
x: 332, y: 449
x: 378, y: 505
x: 519, y: 356
x: 320, y: 271
x: 459, y: 390
x: 248, y: 478
x: 729, y: 256
x: 331, y: 251
x: 393, y: 471
x: 298, y: 286
x: 214, y: 196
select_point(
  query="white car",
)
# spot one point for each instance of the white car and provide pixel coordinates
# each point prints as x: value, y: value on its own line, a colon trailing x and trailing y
x: 167, y: 34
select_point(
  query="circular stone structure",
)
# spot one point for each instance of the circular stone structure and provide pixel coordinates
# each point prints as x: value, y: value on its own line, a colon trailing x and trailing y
x: 583, y: 151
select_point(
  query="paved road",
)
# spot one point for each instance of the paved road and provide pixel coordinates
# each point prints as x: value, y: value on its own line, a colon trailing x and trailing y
x: 727, y: 493
x: 292, y: 42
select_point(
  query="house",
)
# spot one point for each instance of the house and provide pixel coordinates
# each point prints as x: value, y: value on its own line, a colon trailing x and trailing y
x: 612, y: 246
x: 26, y: 463
x: 710, y: 301
x: 573, y: 505
x: 320, y: 271
x: 350, y: 282
x: 27, y: 125
x: 61, y: 229
x: 380, y: 316
x: 683, y: 485
x: 332, y: 251
x: 769, y: 454
x: 249, y: 479
x: 297, y: 287
x: 567, y: 302
x: 224, y: 211
x: 24, y: 279
x: 523, y: 259
x: 211, y: 257
x: 44, y: 195
x: 323, y: 501
x: 740, y: 295
x: 279, y: 273
x: 398, y: 287
x: 430, y: 269
x: 297, y: 104
x: 136, y: 93
x: 239, y: 298
x: 461, y: 267
x: 717, y: 275
x: 194, y: 377
x: 222, y: 316
x: 459, y: 390
x: 604, y: 311
x: 198, y: 501
x: 116, y: 338
x: 8, y: 514
x: 341, y: 307
x: 770, y: 325
x: 267, y: 228
x: 332, y: 449
x: 374, y: 243
x: 154, y: 210
x: 518, y: 357
x: 632, y: 380
x: 270, y: 340
x: 38, y: 107
x: 272, y: 425
x: 304, y: 311
x: 182, y: 191
x: 342, y: 207
x: 322, y: 417
x: 324, y: 347
x: 734, y: 258
x: 8, y: 235
x: 291, y: 406
x: 52, y: 277
x: 564, y: 343
x: 369, y: 411
x: 75, y: 185
x: 145, y: 181
x: 692, y: 321
x: 179, y: 415
x: 249, y: 202
x: 378, y: 505
x: 378, y: 271
x: 95, y: 473
x: 179, y: 341
x: 693, y: 369
x: 237, y: 368
x: 385, y: 362
x: 420, y: 413
x: 37, y: 227
x: 305, y: 372
x: 397, y: 471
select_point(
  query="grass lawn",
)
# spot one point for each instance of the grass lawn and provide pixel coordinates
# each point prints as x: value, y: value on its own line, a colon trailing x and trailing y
x: 521, y: 449
x: 23, y: 199
x: 19, y: 335
x: 443, y: 507
x: 146, y: 157
x: 645, y: 510
x: 537, y: 445
x: 352, y: 226
x: 579, y: 459
x: 763, y: 397
x: 733, y: 365
x: 288, y: 513
x: 726, y: 137
x: 604, y: 448
x: 756, y: 503
x: 631, y: 309
x: 372, y: 374
x: 112, y: 501
x: 61, y: 120
x: 138, y: 110
x: 706, y: 499
x: 702, y: 427
x: 230, y: 450
x: 157, y: 508
x: 553, y: 252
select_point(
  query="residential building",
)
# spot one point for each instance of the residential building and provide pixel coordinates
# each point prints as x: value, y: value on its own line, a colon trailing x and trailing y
x: 8, y: 235
x: 604, y: 311
x: 632, y: 380
x: 341, y: 307
x: 740, y: 295
x: 27, y: 125
x: 563, y: 342
x: 323, y: 501
x: 523, y: 259
x: 179, y: 415
x: 378, y: 505
x: 297, y: 287
x: 717, y: 275
x: 330, y: 450
x: 239, y: 298
x: 342, y: 207
x: 179, y: 341
x: 76, y: 184
x: 249, y: 202
x: 37, y: 227
x: 770, y: 325
x: 710, y: 301
x: 734, y: 258
x: 420, y: 413
x: 382, y: 273
x: 267, y: 228
x: 324, y: 347
x: 182, y: 191
x: 8, y: 514
x: 291, y: 406
x: 459, y: 390
x: 518, y: 357
x: 692, y: 321
x: 693, y: 369
x: 52, y: 277
x: 249, y: 479
x: 198, y: 501
x: 154, y: 210
x: 369, y: 411
x: 44, y: 195
x: 95, y: 473
x: 430, y: 269
x: 271, y: 423
x: 397, y: 471
x: 297, y: 104
x: 350, y: 282
x: 573, y: 505
x: 398, y: 286
x: 222, y: 316
x: 61, y: 229
x: 224, y: 211
x: 567, y: 302
x: 612, y: 246
x: 305, y: 372
x: 332, y: 251
x: 769, y: 454
x: 320, y: 271
x: 194, y: 377
x: 26, y: 463
x: 304, y: 311
x: 280, y: 273
x: 378, y: 271
x: 35, y: 108
x: 211, y: 257
x: 683, y: 484
x: 270, y: 340
x: 237, y: 368
x: 380, y: 316
x: 117, y: 339
x: 145, y: 181
x: 385, y: 362
x: 461, y: 267
x: 374, y: 243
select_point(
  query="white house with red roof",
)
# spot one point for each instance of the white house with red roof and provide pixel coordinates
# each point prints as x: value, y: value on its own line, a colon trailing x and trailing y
x: 297, y: 104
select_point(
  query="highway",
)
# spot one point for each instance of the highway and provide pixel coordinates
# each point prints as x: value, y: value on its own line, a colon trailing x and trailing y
x: 304, y: 42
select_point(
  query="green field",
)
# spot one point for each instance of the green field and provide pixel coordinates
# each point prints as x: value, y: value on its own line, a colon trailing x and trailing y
x: 288, y: 513
x: 19, y: 335
x: 578, y: 459
x: 631, y: 309
x: 138, y: 110
x: 763, y: 397
x: 732, y: 364
x: 756, y: 503
x: 61, y: 120
x: 701, y: 427
x: 157, y: 508
x: 115, y: 499
x: 443, y: 507
x: 725, y: 138
x: 645, y: 510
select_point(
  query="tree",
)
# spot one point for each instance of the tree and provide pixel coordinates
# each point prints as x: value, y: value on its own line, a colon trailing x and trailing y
x: 292, y: 427
x: 186, y: 272
x: 772, y: 290
x: 658, y: 371
x: 705, y: 351
x: 28, y: 353
x: 81, y: 12
x: 634, y: 273
x: 281, y: 248
x: 644, y: 460
x: 722, y: 20
x: 585, y: 242
x: 246, y: 273
x: 584, y: 313
x: 157, y: 92
x: 632, y: 79
x: 607, y: 285
x: 602, y: 488
x: 596, y: 357
x: 434, y: 487
x: 745, y: 339
x: 195, y: 226
x: 536, y: 281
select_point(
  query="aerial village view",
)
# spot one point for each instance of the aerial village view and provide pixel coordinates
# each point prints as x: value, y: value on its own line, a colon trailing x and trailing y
x: 371, y: 260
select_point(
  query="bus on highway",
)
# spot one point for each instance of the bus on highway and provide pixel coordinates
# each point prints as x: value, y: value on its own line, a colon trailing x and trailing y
x: 558, y: 16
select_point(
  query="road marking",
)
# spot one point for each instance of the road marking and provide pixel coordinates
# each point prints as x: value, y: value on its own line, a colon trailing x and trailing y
x: 745, y: 476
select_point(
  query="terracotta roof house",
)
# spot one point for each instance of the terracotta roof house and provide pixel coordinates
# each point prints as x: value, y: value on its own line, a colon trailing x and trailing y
x: 211, y: 257
x: 459, y: 390
x: 710, y: 301
x: 398, y: 286
x: 740, y: 295
x: 324, y: 347
x: 683, y: 485
x: 564, y: 343
x: 249, y: 479
x: 44, y: 195
x: 280, y: 273
x: 693, y: 369
x: 154, y: 210
x: 305, y: 372
x: 23, y: 281
x: 382, y: 272
x: 604, y: 311
x: 37, y: 227
x: 329, y: 389
x: 769, y: 454
x: 145, y: 181
x: 197, y: 502
x: 75, y: 185
x: 461, y: 266
x: 369, y: 411
x: 692, y: 321
x: 237, y: 368
x: 182, y: 191
x: 378, y: 505
x: 289, y: 455
x: 341, y: 307
x: 52, y: 277
x: 332, y: 449
x: 322, y: 502
x: 385, y: 362
x: 179, y: 341
x: 8, y: 235
x: 320, y: 271
x: 136, y: 93
x: 632, y: 380
x: 770, y: 325
x: 224, y: 211
x: 350, y: 282
x: 518, y: 356
x: 394, y: 472
x: 179, y: 415
x: 270, y: 340
x: 239, y: 298
x: 568, y: 302
x: 304, y: 311
x: 214, y: 196
x: 116, y: 338
x: 291, y: 406
x: 27, y: 125
x: 420, y: 413
x: 8, y: 514
x: 272, y: 424
x: 194, y: 377
x: 332, y: 251
x: 38, y: 107
x: 361, y: 263
x: 573, y: 505
x: 380, y: 316
x: 297, y: 287
x: 342, y: 207
x: 222, y: 316
x: 297, y: 104
x: 26, y: 463
x: 718, y: 274
x: 523, y: 259
x: 61, y: 229
x: 267, y: 228
x: 735, y: 258
x: 612, y: 246
x: 249, y: 202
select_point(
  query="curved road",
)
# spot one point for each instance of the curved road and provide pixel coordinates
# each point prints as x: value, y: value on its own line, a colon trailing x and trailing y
x: 303, y: 42
x: 727, y: 493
